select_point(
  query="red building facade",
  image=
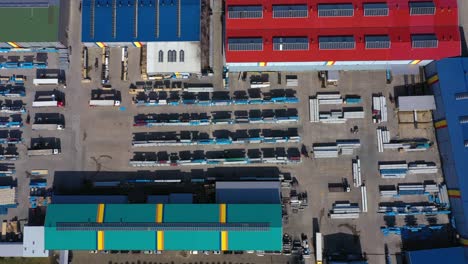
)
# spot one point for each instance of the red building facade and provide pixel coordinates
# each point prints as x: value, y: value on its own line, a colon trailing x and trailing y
x: 340, y: 32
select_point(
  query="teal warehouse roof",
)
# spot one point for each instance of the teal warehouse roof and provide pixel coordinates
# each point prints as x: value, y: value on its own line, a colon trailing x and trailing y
x: 163, y: 227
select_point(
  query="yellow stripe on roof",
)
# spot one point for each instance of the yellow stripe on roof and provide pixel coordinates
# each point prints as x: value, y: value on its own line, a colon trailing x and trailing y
x: 454, y: 192
x: 433, y: 79
x: 222, y: 213
x: 160, y: 240
x: 159, y: 213
x: 100, y: 213
x: 224, y: 240
x: 100, y: 236
x: 13, y: 44
x: 464, y: 241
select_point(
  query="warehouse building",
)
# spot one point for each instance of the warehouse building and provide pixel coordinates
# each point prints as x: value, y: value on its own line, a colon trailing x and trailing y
x: 448, y: 79
x: 452, y: 255
x: 34, y: 24
x: 163, y: 227
x: 135, y: 22
x: 299, y: 35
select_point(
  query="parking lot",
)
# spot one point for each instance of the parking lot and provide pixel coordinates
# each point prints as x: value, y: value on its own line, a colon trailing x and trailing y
x: 99, y: 139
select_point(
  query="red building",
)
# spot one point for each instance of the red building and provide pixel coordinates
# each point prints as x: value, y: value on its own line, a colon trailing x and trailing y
x: 316, y: 33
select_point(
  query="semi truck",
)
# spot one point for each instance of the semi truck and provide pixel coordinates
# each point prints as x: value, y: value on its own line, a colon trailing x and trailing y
x: 46, y: 101
x: 339, y: 187
x: 104, y: 103
x: 47, y: 127
x: 48, y: 81
x: 43, y: 152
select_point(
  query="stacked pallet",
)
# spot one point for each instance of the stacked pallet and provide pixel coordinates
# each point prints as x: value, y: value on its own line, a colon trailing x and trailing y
x: 394, y: 170
x: 422, y: 168
x: 383, y: 138
x: 314, y: 110
x: 345, y: 211
x: 7, y: 195
x: 334, y: 116
x: 388, y: 191
x: 357, y: 172
x: 379, y: 109
x: 291, y: 81
x: 410, y: 189
x: 332, y: 150
x: 364, y: 198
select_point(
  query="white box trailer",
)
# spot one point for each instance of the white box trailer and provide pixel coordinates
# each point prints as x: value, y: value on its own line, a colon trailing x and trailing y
x: 104, y: 103
x: 43, y: 152
x: 47, y: 127
x: 318, y: 248
x: 46, y: 104
x: 49, y: 81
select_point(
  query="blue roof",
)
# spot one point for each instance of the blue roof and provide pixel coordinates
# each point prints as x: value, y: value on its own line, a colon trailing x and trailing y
x: 148, y: 25
x: 453, y: 79
x: 436, y: 256
x: 79, y: 199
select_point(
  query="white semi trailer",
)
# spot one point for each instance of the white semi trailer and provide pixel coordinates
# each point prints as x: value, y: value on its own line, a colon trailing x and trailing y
x: 50, y: 81
x: 43, y: 152
x: 104, y: 103
x: 47, y: 127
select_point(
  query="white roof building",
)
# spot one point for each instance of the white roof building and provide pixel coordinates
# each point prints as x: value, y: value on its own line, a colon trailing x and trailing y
x: 167, y: 57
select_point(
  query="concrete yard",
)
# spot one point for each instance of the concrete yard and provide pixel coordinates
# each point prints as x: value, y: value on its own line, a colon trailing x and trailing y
x: 99, y: 139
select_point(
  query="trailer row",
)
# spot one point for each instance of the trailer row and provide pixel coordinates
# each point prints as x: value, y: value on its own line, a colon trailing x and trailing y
x: 398, y: 230
x: 215, y: 141
x: 225, y: 118
x: 209, y: 102
x: 12, y: 91
x: 169, y: 86
x: 389, y: 170
x: 23, y: 65
x: 384, y: 142
x: 226, y: 157
x: 404, y: 189
x: 12, y: 80
x: 10, y: 109
x: 399, y: 208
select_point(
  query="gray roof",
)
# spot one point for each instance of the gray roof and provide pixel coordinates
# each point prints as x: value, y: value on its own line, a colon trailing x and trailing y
x: 11, y: 249
x: 33, y: 242
x: 416, y: 103
x: 248, y: 192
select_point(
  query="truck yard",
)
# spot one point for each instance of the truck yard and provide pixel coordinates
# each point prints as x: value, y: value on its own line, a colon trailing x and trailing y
x: 363, y: 174
x: 113, y: 138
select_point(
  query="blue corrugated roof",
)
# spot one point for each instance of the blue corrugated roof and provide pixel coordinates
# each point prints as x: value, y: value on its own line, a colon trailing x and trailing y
x: 144, y: 26
x: 453, y: 79
x: 79, y: 199
x: 436, y: 256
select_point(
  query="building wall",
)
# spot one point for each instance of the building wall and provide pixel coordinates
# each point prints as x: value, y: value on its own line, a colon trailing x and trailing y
x: 191, y: 62
x: 447, y: 79
x: 399, y: 25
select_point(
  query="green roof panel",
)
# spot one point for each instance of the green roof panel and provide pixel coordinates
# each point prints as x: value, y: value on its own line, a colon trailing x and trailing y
x: 29, y: 24
x: 129, y: 240
x: 172, y: 213
x: 139, y: 213
x: 79, y: 240
x: 255, y: 213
